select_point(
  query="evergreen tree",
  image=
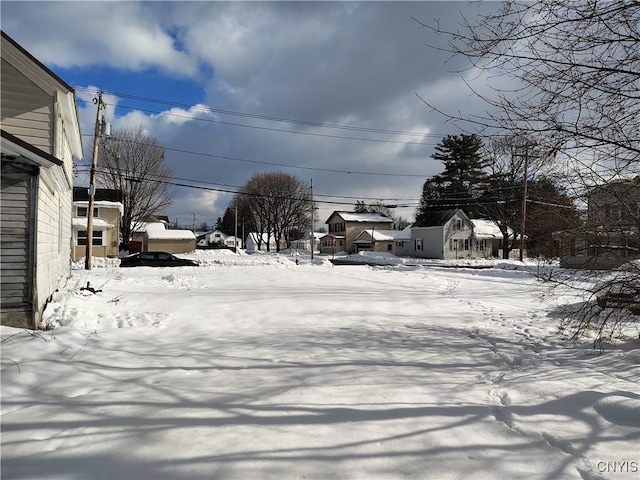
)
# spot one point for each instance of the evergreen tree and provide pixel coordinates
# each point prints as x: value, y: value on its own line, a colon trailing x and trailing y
x: 462, y: 180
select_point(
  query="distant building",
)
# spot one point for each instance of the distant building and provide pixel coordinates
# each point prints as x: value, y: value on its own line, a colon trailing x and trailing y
x: 610, y: 235
x: 349, y: 225
x: 107, y: 213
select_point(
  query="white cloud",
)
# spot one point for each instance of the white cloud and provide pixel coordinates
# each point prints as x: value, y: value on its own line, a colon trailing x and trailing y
x: 329, y: 62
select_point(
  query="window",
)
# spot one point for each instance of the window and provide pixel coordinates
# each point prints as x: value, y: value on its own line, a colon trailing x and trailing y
x: 482, y: 244
x: 95, y: 241
x: 466, y: 244
x: 458, y: 225
x: 389, y: 248
x: 82, y: 211
x: 417, y: 244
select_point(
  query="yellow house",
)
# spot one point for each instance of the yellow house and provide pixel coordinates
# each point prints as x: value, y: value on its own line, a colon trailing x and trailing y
x: 350, y: 224
x: 107, y: 212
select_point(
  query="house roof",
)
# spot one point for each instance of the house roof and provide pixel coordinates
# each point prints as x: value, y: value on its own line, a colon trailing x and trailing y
x: 103, y: 204
x: 487, y: 229
x: 107, y: 194
x: 41, y: 65
x: 81, y: 222
x: 38, y: 73
x: 385, y: 235
x: 161, y: 234
x: 142, y: 227
x: 360, y: 217
x: 436, y: 218
x: 331, y: 235
x: 13, y: 146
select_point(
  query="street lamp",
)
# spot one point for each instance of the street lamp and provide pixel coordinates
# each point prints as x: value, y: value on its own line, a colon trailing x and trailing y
x: 104, y: 128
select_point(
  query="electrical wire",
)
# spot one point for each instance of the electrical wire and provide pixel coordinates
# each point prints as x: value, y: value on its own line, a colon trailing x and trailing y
x: 274, y: 164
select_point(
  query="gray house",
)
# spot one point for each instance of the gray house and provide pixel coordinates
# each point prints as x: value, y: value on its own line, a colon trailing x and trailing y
x: 610, y: 235
x: 40, y: 139
x: 443, y: 234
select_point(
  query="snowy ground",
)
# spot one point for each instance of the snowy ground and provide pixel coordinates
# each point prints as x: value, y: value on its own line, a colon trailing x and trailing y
x: 253, y: 367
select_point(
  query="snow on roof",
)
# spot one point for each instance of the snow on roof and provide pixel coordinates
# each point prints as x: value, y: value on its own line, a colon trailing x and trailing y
x: 148, y: 226
x: 487, y: 229
x: 81, y: 222
x: 158, y: 234
x: 387, y: 235
x: 361, y: 217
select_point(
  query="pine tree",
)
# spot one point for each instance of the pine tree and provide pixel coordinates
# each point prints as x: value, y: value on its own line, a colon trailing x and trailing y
x: 462, y: 180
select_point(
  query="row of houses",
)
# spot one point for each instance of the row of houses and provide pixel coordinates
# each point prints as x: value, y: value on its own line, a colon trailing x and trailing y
x: 443, y: 234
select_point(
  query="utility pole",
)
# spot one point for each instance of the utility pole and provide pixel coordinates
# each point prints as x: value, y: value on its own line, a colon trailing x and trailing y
x: 101, y: 125
x: 524, y: 201
x: 235, y: 234
x: 312, y: 221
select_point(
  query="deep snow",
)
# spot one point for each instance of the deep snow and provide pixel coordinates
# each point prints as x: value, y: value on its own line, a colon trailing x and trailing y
x: 251, y: 366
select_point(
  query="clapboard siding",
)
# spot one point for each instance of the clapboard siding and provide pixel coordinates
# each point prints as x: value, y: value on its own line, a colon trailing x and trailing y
x: 54, y: 233
x: 38, y: 108
x: 27, y: 111
x: 16, y: 197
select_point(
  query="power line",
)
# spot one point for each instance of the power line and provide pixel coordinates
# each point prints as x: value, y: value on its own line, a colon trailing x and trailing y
x: 207, y: 109
x: 272, y: 129
x: 273, y: 164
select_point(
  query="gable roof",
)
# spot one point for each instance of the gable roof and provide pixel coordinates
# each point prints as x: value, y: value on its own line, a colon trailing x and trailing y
x: 43, y: 77
x: 385, y: 235
x: 360, y: 217
x: 41, y: 65
x: 487, y: 229
x: 437, y: 218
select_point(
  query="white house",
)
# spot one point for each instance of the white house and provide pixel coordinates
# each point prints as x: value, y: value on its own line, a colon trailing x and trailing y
x: 40, y: 139
x: 217, y: 237
x: 255, y: 241
x: 488, y: 238
x: 443, y: 234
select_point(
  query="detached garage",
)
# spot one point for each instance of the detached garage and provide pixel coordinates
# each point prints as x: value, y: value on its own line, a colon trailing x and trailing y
x: 172, y: 241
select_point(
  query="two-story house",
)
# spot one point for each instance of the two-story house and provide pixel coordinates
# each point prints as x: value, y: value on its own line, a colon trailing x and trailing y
x: 40, y: 139
x: 443, y: 234
x: 346, y: 226
x: 609, y: 236
x: 107, y: 213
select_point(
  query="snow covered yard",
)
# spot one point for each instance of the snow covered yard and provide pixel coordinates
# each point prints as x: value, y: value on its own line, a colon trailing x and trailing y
x: 253, y: 367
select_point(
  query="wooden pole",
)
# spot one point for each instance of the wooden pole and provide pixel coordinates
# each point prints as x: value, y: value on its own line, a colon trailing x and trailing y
x: 92, y: 186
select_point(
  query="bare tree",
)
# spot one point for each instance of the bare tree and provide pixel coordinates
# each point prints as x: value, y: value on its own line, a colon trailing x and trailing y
x: 133, y: 162
x: 277, y: 204
x: 575, y: 66
x: 571, y: 67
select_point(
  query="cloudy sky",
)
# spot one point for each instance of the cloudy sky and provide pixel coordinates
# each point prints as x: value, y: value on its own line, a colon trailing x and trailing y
x: 325, y: 91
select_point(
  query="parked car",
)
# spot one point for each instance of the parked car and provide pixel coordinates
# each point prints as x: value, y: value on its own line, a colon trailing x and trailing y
x: 622, y: 290
x: 156, y: 259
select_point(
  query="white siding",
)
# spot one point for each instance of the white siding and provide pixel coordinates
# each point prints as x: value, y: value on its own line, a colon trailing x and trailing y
x: 53, y: 238
x: 27, y: 111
